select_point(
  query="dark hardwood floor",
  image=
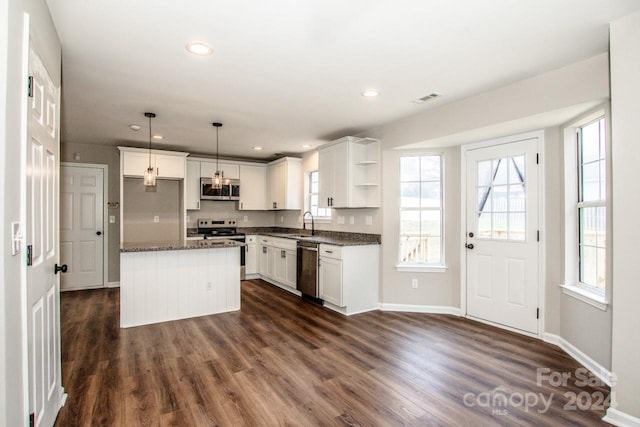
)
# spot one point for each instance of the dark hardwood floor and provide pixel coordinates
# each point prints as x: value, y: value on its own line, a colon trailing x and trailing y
x: 284, y: 361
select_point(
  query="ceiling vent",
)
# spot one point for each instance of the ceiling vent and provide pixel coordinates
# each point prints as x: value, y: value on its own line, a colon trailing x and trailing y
x: 427, y: 98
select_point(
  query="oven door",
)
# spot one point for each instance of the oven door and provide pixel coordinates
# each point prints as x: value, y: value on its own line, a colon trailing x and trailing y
x: 243, y: 249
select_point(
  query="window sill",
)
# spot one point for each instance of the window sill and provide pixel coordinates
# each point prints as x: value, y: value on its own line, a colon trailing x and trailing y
x: 418, y: 268
x: 579, y: 293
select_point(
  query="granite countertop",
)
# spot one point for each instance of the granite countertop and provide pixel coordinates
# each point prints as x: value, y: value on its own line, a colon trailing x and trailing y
x: 338, y: 238
x: 178, y: 245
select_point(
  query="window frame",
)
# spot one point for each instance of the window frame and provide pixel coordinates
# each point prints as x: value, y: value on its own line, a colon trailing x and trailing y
x: 440, y: 267
x: 572, y: 285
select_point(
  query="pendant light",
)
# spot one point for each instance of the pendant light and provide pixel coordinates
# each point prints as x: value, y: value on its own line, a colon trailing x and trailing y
x: 217, y: 178
x: 150, y: 173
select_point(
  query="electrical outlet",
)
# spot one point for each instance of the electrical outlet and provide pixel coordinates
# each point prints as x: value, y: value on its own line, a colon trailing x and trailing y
x: 112, y: 219
x: 156, y: 218
x: 352, y: 220
x: 340, y: 219
x: 414, y: 283
x: 368, y: 220
x: 188, y: 218
x: 246, y: 218
x: 281, y: 218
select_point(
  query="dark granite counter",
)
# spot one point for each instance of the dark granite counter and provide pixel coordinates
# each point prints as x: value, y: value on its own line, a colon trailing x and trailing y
x: 177, y: 245
x: 338, y: 238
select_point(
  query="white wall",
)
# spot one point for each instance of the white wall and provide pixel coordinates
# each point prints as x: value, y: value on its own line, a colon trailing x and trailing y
x: 13, y: 77
x: 228, y: 210
x: 625, y: 93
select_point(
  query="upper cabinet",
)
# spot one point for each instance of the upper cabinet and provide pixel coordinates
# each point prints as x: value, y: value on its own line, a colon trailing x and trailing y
x: 350, y: 170
x: 193, y: 184
x: 253, y: 187
x: 168, y: 164
x: 229, y: 170
x: 284, y: 184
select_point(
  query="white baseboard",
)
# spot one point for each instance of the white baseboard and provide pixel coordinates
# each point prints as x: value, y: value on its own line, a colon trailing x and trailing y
x: 622, y: 419
x: 597, y: 369
x: 432, y: 309
x: 113, y: 284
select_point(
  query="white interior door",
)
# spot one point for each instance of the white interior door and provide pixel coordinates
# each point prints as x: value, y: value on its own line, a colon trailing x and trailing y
x: 43, y: 296
x: 81, y: 227
x: 502, y: 234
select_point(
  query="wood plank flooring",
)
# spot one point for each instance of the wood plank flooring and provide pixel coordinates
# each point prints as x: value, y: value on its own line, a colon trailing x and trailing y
x: 282, y: 360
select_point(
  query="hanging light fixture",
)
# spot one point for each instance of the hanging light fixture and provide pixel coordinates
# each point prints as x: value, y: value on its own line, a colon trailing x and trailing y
x: 150, y: 174
x: 218, y: 176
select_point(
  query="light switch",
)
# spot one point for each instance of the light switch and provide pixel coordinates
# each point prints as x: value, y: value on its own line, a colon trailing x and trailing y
x: 352, y: 220
x: 156, y: 218
x: 246, y: 218
x: 188, y: 218
x: 112, y: 219
x: 368, y: 220
x: 281, y: 218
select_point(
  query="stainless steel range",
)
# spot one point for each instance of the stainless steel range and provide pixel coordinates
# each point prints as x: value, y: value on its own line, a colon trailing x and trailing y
x: 212, y: 228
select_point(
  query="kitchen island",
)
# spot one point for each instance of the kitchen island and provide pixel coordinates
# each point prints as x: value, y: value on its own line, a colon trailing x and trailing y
x: 163, y: 281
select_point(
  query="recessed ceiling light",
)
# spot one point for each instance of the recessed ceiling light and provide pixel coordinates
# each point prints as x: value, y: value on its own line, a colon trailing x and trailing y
x: 306, y: 146
x: 199, y: 48
x: 158, y: 137
x: 257, y: 148
x: 370, y: 93
x: 134, y: 127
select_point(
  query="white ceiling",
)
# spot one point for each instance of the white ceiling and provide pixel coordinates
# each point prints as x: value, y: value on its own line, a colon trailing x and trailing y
x: 290, y: 72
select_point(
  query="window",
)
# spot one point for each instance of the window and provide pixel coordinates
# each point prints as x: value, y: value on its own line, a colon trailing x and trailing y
x: 313, y: 197
x: 586, y: 172
x: 591, y: 207
x: 421, y: 228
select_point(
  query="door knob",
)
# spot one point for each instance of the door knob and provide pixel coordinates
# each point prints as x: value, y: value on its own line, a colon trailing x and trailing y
x: 62, y: 268
x: 469, y: 246
x: 99, y: 233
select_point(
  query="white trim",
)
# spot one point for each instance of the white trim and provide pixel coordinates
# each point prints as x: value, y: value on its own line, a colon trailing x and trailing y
x: 105, y: 213
x: 619, y: 418
x: 596, y: 368
x: 539, y: 135
x: 585, y: 296
x: 418, y: 268
x: 280, y: 285
x: 410, y: 308
x: 501, y: 326
x: 113, y: 284
x: 343, y: 310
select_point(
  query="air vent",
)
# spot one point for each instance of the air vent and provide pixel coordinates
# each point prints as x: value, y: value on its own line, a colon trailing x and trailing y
x: 427, y: 98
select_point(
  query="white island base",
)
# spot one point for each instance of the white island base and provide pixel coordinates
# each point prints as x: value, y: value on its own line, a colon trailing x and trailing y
x: 159, y: 285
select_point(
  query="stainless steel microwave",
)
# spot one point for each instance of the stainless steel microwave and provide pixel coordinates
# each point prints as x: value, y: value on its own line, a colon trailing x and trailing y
x: 230, y: 189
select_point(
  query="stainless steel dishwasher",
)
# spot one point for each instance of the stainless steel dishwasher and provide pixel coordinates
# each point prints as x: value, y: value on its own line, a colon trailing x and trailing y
x: 307, y: 269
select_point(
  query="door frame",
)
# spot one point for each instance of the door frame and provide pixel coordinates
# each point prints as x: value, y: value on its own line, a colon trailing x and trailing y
x: 539, y: 135
x: 105, y: 213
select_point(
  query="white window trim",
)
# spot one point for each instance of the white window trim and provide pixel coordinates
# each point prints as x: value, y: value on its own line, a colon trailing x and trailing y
x: 572, y: 286
x: 423, y: 267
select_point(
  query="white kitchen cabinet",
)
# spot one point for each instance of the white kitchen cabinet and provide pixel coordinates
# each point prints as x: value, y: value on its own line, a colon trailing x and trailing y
x: 253, y: 187
x: 333, y: 164
x: 192, y: 185
x: 277, y: 261
x: 251, y: 255
x: 348, y: 277
x: 350, y: 173
x: 263, y: 260
x: 229, y: 170
x: 284, y: 184
x: 280, y: 259
x: 290, y: 277
x: 168, y: 165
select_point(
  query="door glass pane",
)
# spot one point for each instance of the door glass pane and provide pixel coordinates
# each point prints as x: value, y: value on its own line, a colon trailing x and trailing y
x: 517, y: 198
x: 516, y: 170
x: 484, y: 226
x: 484, y: 199
x: 485, y: 172
x: 430, y: 194
x: 500, y: 198
x: 501, y: 174
x: 500, y: 226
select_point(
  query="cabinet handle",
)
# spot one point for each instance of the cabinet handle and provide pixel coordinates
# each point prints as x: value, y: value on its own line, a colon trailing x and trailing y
x: 329, y: 252
x: 283, y: 254
x: 157, y: 171
x: 332, y: 201
x: 328, y: 201
x: 264, y: 249
x: 241, y: 205
x: 198, y: 204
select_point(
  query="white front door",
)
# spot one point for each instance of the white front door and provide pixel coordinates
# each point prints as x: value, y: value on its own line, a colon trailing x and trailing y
x: 43, y: 294
x: 81, y: 227
x: 502, y: 234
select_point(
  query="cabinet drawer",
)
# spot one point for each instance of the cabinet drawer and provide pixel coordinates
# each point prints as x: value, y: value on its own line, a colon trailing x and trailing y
x: 264, y: 240
x: 330, y: 251
x: 251, y: 239
x: 284, y: 243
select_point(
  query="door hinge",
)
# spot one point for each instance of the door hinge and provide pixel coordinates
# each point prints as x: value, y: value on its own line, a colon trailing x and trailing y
x: 537, y: 158
x: 538, y: 235
x: 32, y: 419
x: 30, y: 87
x: 537, y: 313
x: 29, y: 255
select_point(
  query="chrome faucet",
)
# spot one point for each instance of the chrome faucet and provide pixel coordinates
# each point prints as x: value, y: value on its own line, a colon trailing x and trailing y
x: 313, y: 226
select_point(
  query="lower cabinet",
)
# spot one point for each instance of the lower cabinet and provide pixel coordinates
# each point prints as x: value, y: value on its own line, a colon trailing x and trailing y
x: 251, y: 256
x: 349, y: 278
x: 277, y: 260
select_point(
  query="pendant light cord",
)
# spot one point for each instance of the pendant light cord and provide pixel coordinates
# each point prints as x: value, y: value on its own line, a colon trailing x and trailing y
x: 149, y: 142
x: 217, y: 150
